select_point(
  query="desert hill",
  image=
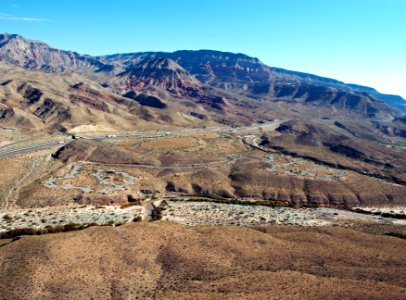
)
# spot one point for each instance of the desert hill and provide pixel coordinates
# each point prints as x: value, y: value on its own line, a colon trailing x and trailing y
x: 204, y: 263
x: 38, y: 100
x: 339, y: 146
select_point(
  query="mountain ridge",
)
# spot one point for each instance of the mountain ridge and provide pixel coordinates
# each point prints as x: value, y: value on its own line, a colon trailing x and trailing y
x: 295, y: 76
x: 37, y: 55
x: 203, y: 64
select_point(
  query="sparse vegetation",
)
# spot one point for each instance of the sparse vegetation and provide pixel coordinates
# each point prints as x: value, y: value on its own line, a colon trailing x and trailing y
x: 309, y: 262
x: 390, y: 214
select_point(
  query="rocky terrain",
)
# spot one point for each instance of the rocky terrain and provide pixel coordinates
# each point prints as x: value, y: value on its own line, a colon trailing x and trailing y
x: 158, y: 72
x: 335, y: 148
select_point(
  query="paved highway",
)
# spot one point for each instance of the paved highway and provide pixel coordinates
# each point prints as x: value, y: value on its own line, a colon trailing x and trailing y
x: 28, y: 149
x: 36, y: 147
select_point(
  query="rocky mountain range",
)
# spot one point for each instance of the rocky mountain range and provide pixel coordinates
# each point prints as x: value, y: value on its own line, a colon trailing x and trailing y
x: 229, y: 70
x: 35, y: 55
x: 217, y: 69
x: 51, y: 90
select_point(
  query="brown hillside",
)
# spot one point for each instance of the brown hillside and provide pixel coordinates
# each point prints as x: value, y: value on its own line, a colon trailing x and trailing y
x: 164, y: 261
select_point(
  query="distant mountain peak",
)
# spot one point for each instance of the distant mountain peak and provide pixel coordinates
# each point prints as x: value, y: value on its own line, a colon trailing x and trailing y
x: 158, y: 72
x: 36, y: 55
x: 156, y: 64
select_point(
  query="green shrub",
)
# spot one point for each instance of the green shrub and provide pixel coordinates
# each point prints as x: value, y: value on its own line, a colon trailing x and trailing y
x: 70, y: 227
x: 7, y: 218
x: 137, y: 219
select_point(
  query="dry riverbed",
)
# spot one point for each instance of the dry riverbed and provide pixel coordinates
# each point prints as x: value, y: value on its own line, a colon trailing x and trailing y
x: 187, y: 213
x: 197, y: 213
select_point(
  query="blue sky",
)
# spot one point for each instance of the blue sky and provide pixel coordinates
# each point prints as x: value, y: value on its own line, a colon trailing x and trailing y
x: 358, y: 41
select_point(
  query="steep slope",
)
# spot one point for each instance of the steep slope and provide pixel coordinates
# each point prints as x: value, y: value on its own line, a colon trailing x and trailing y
x: 393, y: 100
x: 241, y: 75
x: 208, y: 65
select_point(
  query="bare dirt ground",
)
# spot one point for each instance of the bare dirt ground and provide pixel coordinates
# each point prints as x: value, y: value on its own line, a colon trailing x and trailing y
x: 166, y: 261
x: 19, y: 172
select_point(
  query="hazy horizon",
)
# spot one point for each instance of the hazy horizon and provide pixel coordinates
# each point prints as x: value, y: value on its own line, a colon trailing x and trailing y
x: 352, y: 41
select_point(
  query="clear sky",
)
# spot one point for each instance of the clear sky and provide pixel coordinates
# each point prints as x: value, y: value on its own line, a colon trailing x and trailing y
x: 357, y: 41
